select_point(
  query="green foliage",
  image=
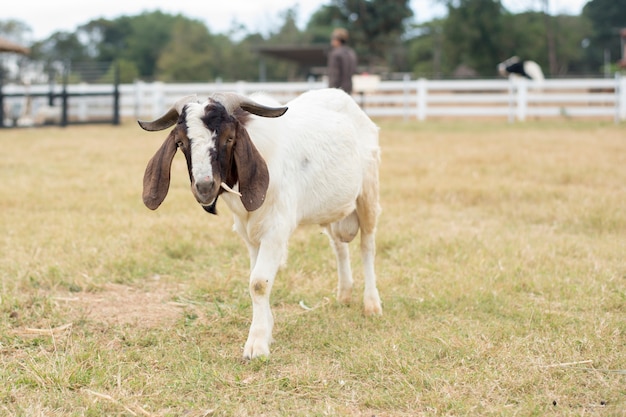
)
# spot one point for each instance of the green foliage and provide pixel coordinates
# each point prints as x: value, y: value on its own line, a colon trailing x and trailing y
x: 607, y: 18
x: 188, y: 56
x: 128, y: 71
x: 473, y: 32
x: 470, y: 40
x: 424, y: 51
x: 60, y: 47
x: 525, y: 36
x: 287, y: 34
x: 477, y: 34
x: 322, y: 23
x: 375, y: 26
x: 150, y: 34
x: 571, y: 32
x: 106, y: 38
x: 14, y: 30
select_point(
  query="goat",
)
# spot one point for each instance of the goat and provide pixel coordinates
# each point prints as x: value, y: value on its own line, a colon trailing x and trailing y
x: 317, y: 164
x: 514, y: 67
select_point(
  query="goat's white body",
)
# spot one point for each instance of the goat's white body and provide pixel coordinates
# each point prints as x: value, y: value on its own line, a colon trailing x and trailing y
x: 534, y: 71
x: 317, y: 159
x: 322, y: 157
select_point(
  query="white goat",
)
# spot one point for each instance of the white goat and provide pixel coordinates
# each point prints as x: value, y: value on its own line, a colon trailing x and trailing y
x: 317, y: 164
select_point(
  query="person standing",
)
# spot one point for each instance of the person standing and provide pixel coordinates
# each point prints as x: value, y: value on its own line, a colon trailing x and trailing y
x: 342, y: 61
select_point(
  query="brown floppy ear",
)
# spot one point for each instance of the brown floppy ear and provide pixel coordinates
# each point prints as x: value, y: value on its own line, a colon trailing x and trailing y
x: 252, y: 171
x: 156, y: 179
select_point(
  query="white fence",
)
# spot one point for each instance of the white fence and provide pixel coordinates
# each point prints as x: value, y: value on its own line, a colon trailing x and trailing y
x: 410, y: 99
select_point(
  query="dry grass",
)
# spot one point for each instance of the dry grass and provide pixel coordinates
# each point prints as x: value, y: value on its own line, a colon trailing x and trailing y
x: 501, y: 268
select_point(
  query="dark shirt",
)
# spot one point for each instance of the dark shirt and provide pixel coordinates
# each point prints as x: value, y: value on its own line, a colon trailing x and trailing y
x: 341, y: 67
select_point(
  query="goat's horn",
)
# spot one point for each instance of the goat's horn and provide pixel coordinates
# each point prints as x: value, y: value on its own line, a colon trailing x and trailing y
x: 230, y: 190
x: 169, y: 118
x: 232, y: 101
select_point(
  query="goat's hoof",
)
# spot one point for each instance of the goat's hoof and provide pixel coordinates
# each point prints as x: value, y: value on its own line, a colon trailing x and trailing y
x: 374, y: 311
x: 372, y: 306
x: 344, y: 296
x: 256, y: 349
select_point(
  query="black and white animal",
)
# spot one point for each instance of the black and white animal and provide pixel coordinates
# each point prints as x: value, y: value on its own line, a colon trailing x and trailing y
x: 316, y: 164
x: 515, y: 67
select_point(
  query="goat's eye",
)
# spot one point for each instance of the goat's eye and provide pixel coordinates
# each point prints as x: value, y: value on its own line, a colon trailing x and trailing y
x: 179, y: 144
x: 230, y: 139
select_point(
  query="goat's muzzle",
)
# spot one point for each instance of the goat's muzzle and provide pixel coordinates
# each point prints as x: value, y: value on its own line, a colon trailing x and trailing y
x: 205, y: 190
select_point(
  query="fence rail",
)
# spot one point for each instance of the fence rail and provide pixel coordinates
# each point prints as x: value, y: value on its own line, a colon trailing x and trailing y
x: 515, y: 100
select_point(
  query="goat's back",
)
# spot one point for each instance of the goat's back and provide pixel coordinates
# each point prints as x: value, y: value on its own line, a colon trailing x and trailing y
x: 318, y: 155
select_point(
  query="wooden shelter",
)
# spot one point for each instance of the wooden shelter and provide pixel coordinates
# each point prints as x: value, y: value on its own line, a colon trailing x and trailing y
x: 8, y: 46
x: 311, y: 57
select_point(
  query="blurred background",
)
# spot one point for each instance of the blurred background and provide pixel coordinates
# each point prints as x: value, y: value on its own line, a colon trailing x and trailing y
x: 434, y: 39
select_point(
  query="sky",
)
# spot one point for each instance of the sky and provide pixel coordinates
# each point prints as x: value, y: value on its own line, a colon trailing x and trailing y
x: 47, y: 17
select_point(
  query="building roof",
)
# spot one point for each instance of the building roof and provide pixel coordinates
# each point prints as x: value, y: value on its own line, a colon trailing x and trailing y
x: 8, y: 46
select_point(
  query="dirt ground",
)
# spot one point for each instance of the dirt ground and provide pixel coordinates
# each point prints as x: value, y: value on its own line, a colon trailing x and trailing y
x: 118, y: 304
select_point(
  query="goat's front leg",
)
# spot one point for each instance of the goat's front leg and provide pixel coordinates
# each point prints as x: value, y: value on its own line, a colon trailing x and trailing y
x: 262, y: 277
x: 253, y: 249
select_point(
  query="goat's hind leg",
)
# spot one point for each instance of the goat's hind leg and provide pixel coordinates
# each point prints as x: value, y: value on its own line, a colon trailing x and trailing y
x: 368, y: 210
x: 340, y: 234
x: 371, y: 298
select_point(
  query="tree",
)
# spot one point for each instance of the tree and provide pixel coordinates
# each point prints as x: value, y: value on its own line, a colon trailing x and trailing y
x: 476, y: 34
x: 138, y: 39
x: 59, y: 50
x: 189, y: 54
x: 150, y: 33
x: 234, y: 61
x: 321, y: 24
x: 570, y: 33
x: 473, y: 32
x: 424, y: 50
x: 550, y: 42
x: 15, y: 30
x: 607, y: 18
x: 13, y: 67
x: 244, y: 61
x: 375, y: 26
x: 106, y: 39
x: 525, y: 37
x: 287, y: 34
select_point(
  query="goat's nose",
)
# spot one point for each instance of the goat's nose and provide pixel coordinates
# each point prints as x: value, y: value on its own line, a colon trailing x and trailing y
x: 205, y: 185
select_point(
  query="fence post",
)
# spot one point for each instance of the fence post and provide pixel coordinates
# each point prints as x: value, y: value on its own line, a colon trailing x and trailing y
x: 82, y: 103
x: 1, y: 97
x: 51, y: 90
x: 116, y: 95
x: 522, y: 99
x: 406, y: 78
x: 138, y: 100
x: 422, y: 91
x: 65, y: 96
x: 241, y: 87
x: 511, y: 100
x: 158, y: 99
x: 620, y: 98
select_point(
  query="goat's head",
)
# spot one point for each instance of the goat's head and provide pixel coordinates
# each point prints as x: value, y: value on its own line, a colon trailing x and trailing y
x: 504, y: 67
x: 216, y: 145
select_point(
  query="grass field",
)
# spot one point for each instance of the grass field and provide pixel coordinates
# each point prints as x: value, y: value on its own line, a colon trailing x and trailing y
x: 501, y: 264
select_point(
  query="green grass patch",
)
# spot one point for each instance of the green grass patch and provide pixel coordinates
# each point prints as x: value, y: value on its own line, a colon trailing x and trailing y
x: 500, y: 263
